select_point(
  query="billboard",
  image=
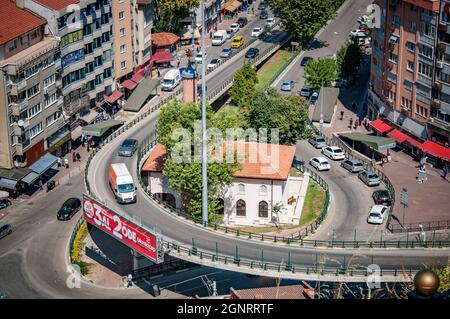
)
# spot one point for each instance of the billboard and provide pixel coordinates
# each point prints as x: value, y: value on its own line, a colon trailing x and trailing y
x: 121, y: 228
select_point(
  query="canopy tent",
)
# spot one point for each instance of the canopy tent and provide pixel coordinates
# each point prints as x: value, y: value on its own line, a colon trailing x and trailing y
x: 100, y: 128
x: 381, y: 126
x: 376, y: 142
x: 232, y: 5
x: 137, y: 100
x: 187, y: 35
x: 138, y: 77
x: 90, y: 117
x: 44, y: 163
x: 129, y: 84
x: 114, y: 96
x: 325, y: 104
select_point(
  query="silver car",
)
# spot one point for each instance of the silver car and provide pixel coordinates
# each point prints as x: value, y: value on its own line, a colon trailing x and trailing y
x: 317, y: 141
x: 369, y: 178
x: 287, y: 85
x: 353, y: 166
x: 5, y: 229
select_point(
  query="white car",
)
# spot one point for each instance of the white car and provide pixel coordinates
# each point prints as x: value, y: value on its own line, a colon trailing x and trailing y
x: 320, y: 163
x: 213, y: 64
x: 376, y: 214
x: 270, y: 22
x: 256, y: 32
x: 358, y: 33
x: 234, y: 27
x: 198, y: 57
x: 333, y: 152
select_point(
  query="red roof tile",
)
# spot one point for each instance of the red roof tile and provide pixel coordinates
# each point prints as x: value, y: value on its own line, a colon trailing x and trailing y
x: 15, y: 21
x: 57, y: 4
x: 114, y: 96
x: 163, y: 39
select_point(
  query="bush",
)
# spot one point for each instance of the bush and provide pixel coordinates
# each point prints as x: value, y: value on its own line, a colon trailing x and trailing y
x: 78, y: 244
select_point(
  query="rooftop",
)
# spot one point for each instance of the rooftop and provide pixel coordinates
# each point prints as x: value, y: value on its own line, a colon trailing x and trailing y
x: 162, y: 39
x: 33, y: 52
x: 15, y: 21
x: 57, y: 4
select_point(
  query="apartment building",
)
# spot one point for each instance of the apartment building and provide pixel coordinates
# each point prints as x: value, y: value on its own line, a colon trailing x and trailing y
x: 410, y: 68
x: 213, y: 13
x: 31, y: 121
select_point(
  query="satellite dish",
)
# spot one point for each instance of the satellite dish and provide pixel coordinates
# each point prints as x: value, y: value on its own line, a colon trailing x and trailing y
x: 20, y: 123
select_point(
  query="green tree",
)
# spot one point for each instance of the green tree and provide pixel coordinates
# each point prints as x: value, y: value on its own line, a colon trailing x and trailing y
x: 305, y: 17
x: 320, y: 71
x: 348, y: 58
x: 168, y: 13
x: 244, y: 86
x: 229, y: 117
x: 444, y: 277
x: 289, y: 113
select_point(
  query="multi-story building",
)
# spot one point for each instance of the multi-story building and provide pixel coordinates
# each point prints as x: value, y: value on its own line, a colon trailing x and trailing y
x: 31, y: 121
x: 410, y: 70
x: 213, y: 13
x: 133, y: 21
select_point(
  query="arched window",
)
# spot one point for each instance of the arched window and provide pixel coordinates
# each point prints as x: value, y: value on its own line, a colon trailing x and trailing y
x: 263, y: 209
x: 240, y: 208
x: 263, y: 190
x: 241, y: 189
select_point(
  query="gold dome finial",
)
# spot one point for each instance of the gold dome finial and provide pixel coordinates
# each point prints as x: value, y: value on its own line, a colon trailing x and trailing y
x: 426, y: 282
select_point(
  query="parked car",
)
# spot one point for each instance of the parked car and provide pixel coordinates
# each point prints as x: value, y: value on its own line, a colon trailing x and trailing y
x: 320, y: 163
x: 358, y: 33
x: 213, y: 64
x: 226, y: 52
x: 382, y: 197
x: 68, y: 209
x: 333, y: 152
x: 229, y: 33
x: 305, y: 60
x: 263, y: 14
x: 277, y: 13
x: 242, y: 21
x: 287, y: 85
x: 5, y: 229
x: 238, y: 41
x: 199, y: 57
x: 353, y: 165
x: 256, y: 32
x: 305, y: 91
x: 317, y: 141
x: 235, y: 27
x: 270, y: 22
x: 313, y: 98
x: 128, y: 147
x: 252, y: 53
x: 262, y: 6
x: 376, y: 214
x: 369, y: 178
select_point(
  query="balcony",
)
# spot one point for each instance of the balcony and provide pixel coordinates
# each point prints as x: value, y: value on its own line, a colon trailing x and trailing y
x: 424, y: 80
x: 439, y: 64
x: 436, y: 104
x: 21, y: 104
x: 424, y: 39
x: 437, y: 86
x: 439, y: 123
x: 14, y: 109
x: 16, y: 130
x: 17, y: 87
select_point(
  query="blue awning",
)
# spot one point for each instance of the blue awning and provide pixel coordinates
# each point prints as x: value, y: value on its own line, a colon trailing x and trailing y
x: 7, y: 183
x: 44, y: 163
x: 30, y: 178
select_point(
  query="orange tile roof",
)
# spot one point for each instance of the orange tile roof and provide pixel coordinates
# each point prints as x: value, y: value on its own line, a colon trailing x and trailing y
x: 275, y: 165
x: 57, y: 4
x: 163, y: 39
x: 15, y: 21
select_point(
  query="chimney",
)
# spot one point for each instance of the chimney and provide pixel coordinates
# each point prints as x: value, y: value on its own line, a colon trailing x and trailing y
x: 189, y: 82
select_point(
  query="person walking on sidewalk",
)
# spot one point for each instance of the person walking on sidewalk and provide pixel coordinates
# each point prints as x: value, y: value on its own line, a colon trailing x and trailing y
x: 445, y: 171
x: 59, y: 162
x: 351, y: 122
x: 66, y: 162
x: 342, y: 115
x: 40, y: 185
x: 78, y: 157
x: 129, y: 281
x: 74, y: 157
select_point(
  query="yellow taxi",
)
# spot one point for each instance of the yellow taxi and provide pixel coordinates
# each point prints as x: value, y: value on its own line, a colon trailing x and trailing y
x: 238, y: 41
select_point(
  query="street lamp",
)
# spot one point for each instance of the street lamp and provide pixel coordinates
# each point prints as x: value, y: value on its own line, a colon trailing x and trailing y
x: 204, y: 156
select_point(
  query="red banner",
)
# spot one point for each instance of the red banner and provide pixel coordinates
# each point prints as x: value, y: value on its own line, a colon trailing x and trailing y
x: 120, y: 228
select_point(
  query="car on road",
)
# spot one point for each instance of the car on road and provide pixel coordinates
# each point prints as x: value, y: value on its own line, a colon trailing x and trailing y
x: 128, y: 147
x: 5, y: 229
x: 238, y: 41
x: 369, y: 178
x: 68, y: 209
x: 213, y: 64
x: 287, y: 85
x: 262, y: 6
x: 256, y: 32
x: 242, y: 21
x: 313, y: 98
x: 353, y: 165
x: 252, y: 53
x: 270, y: 22
x: 358, y: 33
x: 305, y: 60
x: 376, y: 214
x: 199, y: 57
x: 235, y: 27
x: 382, y: 197
x: 229, y: 33
x: 226, y: 52
x: 320, y: 163
x: 317, y: 141
x: 263, y: 14
x: 305, y: 91
x: 333, y: 152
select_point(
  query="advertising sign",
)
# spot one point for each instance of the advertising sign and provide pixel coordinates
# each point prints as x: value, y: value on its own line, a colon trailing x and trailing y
x: 120, y: 228
x: 72, y: 57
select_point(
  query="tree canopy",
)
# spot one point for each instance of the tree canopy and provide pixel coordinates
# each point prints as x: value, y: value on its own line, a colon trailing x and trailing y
x: 348, y: 58
x: 168, y: 13
x: 320, y: 72
x: 244, y: 86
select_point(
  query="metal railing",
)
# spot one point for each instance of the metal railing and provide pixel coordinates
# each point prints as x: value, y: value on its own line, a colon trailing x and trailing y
x: 421, y: 226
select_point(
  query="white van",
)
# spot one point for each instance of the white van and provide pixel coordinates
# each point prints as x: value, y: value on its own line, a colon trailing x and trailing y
x: 121, y: 183
x: 171, y: 80
x: 219, y: 37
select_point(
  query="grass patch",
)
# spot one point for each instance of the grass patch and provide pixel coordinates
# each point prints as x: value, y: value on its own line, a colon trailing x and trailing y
x: 295, y: 172
x: 314, y: 202
x: 265, y: 229
x: 271, y: 66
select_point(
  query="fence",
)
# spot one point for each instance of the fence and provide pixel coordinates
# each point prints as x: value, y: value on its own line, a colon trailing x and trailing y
x: 417, y: 227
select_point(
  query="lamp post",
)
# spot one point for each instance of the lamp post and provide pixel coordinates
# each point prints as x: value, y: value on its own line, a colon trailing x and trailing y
x: 204, y: 158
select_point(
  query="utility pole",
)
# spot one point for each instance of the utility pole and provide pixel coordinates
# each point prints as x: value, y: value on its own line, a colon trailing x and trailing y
x: 204, y: 158
x: 321, y: 108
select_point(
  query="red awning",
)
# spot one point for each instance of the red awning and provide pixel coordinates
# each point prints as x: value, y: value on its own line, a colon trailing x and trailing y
x: 137, y: 77
x: 380, y: 125
x: 114, y: 96
x: 162, y: 56
x: 436, y: 150
x: 129, y: 84
x: 414, y: 142
x: 398, y: 135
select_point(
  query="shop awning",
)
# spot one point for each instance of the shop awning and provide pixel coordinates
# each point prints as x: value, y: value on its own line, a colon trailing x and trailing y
x: 162, y: 56
x: 8, y: 183
x: 30, y: 178
x: 399, y: 136
x: 129, y: 84
x: 233, y: 6
x: 76, y: 133
x: 114, y: 96
x: 137, y: 77
x: 44, y: 163
x: 90, y: 117
x: 414, y: 142
x: 137, y: 100
x: 188, y: 34
x: 376, y: 142
x: 100, y: 128
x: 15, y: 174
x: 436, y: 150
x: 62, y: 141
x: 380, y: 126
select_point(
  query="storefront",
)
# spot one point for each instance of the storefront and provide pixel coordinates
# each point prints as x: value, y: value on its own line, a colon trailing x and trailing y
x: 231, y: 8
x: 101, y: 130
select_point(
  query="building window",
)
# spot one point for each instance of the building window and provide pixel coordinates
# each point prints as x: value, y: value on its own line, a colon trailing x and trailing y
x: 35, y: 130
x: 52, y: 118
x: 393, y: 58
x: 123, y: 64
x: 123, y: 48
x: 424, y: 69
x: 412, y: 26
x: 121, y: 15
x: 50, y: 100
x: 33, y: 111
x: 241, y: 189
x: 49, y: 81
x: 392, y: 77
x: 426, y: 51
x: 240, y: 208
x: 410, y: 66
x: 263, y: 190
x: 122, y: 32
x: 408, y: 85
x: 411, y: 46
x: 396, y: 20
x: 428, y: 29
x: 33, y: 91
x: 263, y: 209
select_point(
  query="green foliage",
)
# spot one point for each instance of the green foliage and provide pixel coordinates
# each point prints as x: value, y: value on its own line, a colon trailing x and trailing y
x: 289, y: 113
x: 244, y: 86
x: 320, y: 72
x: 229, y: 117
x: 348, y: 58
x: 444, y: 277
x: 168, y: 13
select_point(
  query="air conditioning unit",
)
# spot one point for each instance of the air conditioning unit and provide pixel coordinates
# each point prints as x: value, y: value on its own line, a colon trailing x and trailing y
x: 440, y: 64
x: 46, y: 91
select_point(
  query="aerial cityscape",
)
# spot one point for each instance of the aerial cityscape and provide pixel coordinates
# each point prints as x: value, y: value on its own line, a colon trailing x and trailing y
x: 225, y: 149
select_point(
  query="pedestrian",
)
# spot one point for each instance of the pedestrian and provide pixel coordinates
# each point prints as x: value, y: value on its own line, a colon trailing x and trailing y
x: 59, y: 162
x: 78, y: 157
x: 178, y: 63
x: 40, y: 185
x: 66, y: 162
x: 88, y: 148
x: 253, y: 10
x: 351, y: 122
x: 342, y: 115
x: 159, y: 73
x: 445, y: 171
x: 129, y: 281
x: 74, y: 157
